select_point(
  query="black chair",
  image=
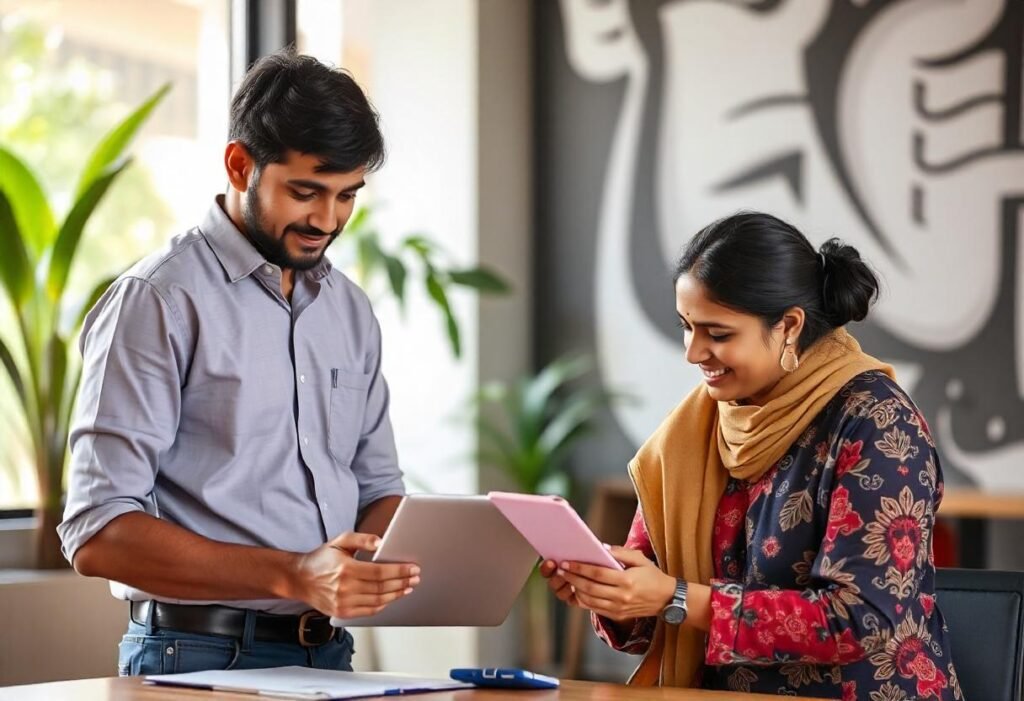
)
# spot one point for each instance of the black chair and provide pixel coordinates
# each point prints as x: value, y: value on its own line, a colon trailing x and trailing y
x: 984, y: 611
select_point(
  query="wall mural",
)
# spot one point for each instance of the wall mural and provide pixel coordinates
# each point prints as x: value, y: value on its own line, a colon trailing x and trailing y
x: 895, y: 125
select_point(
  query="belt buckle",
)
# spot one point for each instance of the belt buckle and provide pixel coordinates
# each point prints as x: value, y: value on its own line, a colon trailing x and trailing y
x: 304, y: 629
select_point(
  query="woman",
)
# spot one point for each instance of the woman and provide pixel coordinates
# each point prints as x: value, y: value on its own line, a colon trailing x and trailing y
x: 782, y: 542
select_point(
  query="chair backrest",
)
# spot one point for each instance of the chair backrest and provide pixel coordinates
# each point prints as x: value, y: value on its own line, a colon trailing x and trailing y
x: 984, y: 611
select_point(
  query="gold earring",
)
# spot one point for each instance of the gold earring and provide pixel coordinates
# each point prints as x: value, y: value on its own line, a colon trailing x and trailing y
x: 789, y: 360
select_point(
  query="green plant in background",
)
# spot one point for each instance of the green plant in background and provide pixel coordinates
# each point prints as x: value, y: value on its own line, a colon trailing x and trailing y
x: 536, y: 421
x: 415, y: 251
x: 54, y: 107
x: 38, y: 254
x: 527, y: 430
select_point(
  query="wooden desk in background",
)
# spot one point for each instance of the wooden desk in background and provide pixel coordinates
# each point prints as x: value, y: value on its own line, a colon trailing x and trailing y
x: 132, y: 689
x: 613, y: 504
x: 973, y: 510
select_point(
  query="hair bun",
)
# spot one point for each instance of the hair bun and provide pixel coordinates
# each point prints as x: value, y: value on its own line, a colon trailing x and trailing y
x: 849, y: 286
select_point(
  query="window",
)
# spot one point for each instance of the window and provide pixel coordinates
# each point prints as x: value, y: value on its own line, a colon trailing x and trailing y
x: 74, y: 68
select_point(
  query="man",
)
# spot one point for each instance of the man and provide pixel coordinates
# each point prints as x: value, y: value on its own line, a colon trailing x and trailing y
x: 232, y: 448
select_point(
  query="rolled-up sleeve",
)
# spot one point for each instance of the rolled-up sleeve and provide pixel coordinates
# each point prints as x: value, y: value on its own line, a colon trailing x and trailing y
x: 375, y: 464
x: 133, y: 361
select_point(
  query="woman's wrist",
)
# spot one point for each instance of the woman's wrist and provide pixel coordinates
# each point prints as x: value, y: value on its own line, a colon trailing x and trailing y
x: 666, y: 590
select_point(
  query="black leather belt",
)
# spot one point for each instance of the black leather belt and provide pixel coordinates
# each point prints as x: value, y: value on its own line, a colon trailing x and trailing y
x: 309, y: 630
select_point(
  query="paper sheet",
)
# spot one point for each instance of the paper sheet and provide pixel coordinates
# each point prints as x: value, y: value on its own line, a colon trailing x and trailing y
x: 307, y: 683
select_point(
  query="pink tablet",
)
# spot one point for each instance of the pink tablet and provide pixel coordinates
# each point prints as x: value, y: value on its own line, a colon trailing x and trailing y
x: 553, y: 528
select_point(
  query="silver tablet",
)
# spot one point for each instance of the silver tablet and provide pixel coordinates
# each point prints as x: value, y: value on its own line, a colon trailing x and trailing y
x: 473, y: 563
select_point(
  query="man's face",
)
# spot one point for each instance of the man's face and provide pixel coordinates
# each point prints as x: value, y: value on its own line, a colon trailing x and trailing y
x: 292, y: 213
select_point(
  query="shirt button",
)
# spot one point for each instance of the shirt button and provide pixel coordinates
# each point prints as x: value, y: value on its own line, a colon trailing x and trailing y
x: 268, y: 269
x: 302, y: 379
x: 305, y: 440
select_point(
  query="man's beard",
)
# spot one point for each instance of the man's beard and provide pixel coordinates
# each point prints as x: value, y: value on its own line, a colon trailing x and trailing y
x: 273, y: 249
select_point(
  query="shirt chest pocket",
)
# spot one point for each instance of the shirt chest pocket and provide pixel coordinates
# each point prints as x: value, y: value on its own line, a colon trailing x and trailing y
x: 349, y: 392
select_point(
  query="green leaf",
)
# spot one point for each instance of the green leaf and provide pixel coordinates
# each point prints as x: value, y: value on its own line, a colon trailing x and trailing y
x: 12, y: 371
x: 453, y: 332
x: 558, y: 457
x: 512, y: 403
x: 493, y: 391
x: 482, y: 279
x: 436, y: 291
x: 57, y: 366
x: 71, y: 232
x: 15, y: 268
x: 577, y: 412
x: 538, y: 391
x: 358, y: 221
x: 370, y: 255
x: 420, y: 244
x: 28, y: 201
x: 497, y: 439
x: 396, y: 276
x: 113, y: 144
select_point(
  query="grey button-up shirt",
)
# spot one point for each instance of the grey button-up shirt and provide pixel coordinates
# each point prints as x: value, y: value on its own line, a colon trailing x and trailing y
x: 211, y: 402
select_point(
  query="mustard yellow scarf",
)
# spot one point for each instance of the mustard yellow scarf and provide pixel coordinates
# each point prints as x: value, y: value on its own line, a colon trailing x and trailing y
x: 682, y: 469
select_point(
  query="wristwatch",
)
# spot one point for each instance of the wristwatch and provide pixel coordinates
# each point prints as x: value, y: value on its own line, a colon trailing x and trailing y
x: 675, y: 612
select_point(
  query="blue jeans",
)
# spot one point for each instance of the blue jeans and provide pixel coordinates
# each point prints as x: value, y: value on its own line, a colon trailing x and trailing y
x: 167, y: 651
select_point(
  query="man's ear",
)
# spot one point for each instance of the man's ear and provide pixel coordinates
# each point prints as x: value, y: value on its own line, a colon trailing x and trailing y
x: 239, y: 164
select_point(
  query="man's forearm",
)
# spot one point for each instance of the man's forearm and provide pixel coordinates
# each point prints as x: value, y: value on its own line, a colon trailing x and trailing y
x: 163, y: 559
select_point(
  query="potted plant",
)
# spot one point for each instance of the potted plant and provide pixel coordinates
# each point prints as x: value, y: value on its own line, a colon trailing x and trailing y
x: 527, y: 430
x: 38, y: 256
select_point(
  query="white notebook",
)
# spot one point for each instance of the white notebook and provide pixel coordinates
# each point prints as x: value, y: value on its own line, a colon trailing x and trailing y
x: 306, y: 683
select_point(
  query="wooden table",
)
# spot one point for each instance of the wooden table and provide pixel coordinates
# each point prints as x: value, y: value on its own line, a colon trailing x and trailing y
x: 132, y: 689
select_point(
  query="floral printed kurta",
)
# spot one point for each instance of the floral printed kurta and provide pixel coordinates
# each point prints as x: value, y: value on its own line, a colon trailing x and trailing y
x: 824, y: 579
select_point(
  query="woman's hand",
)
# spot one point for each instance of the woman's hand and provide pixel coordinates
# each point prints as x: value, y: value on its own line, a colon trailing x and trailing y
x: 557, y: 584
x: 641, y: 590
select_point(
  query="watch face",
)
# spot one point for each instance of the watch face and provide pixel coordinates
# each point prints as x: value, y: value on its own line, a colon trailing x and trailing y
x: 674, y: 614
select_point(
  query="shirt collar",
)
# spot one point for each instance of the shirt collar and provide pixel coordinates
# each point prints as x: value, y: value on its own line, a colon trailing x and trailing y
x: 235, y: 252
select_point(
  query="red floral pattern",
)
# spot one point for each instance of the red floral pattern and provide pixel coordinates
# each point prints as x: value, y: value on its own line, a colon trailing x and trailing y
x: 831, y: 593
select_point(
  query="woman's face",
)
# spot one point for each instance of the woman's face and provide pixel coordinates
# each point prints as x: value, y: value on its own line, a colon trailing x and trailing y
x: 738, y: 360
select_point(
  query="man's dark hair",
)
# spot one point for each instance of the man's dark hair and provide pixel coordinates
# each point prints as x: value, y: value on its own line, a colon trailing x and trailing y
x: 292, y: 102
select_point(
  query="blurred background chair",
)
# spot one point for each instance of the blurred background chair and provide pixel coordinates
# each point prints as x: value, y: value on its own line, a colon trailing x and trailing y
x: 984, y: 611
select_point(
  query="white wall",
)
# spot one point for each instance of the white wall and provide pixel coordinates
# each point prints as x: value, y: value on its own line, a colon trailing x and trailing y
x: 424, y: 85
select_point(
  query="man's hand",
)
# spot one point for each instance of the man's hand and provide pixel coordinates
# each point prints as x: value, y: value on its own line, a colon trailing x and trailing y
x: 333, y: 582
x: 641, y: 590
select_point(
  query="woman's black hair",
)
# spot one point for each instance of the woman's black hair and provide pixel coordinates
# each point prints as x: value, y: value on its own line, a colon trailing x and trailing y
x: 292, y: 102
x: 758, y: 264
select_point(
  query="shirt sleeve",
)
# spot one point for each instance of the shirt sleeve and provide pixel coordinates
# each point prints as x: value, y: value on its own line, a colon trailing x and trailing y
x: 634, y: 636
x: 133, y: 360
x: 375, y: 464
x: 881, y: 498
